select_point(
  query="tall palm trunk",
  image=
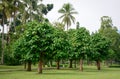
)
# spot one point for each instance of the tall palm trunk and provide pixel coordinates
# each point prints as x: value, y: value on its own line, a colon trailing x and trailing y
x: 14, y: 17
x: 30, y: 11
x: 2, y: 54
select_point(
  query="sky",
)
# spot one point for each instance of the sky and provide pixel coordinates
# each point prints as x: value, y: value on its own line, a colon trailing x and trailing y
x: 89, y: 12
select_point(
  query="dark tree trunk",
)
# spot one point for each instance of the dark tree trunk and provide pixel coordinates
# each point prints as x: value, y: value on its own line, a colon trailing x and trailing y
x: 40, y: 66
x: 2, y: 53
x: 81, y: 65
x: 50, y: 63
x: 43, y: 64
x: 29, y: 66
x: 75, y: 64
x: 25, y: 65
x: 58, y: 64
x: 98, y: 65
x: 70, y: 64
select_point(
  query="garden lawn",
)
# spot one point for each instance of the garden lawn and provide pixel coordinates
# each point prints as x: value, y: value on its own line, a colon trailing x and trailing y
x: 17, y: 72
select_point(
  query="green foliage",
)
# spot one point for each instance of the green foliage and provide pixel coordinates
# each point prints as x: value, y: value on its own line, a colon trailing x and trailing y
x: 107, y: 30
x: 106, y: 22
x: 36, y: 42
x: 9, y: 58
x: 114, y: 37
x: 99, y: 47
x: 67, y: 12
x: 82, y: 38
x: 71, y: 39
x: 60, y: 44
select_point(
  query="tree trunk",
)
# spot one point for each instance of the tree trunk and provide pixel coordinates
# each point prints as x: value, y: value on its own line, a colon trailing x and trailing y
x: 50, y: 63
x: 40, y: 66
x: 58, y: 64
x: 81, y: 65
x: 98, y: 65
x: 2, y: 54
x: 14, y: 18
x: 25, y: 65
x: 29, y: 66
x: 75, y: 64
x: 70, y: 64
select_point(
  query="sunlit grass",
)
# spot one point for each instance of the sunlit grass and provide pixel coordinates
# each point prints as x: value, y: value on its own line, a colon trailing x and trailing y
x: 18, y: 72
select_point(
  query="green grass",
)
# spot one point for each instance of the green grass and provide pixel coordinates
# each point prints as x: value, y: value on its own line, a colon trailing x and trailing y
x: 17, y: 72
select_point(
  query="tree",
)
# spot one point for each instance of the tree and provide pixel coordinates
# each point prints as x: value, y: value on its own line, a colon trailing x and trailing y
x: 110, y: 32
x: 71, y: 51
x: 5, y: 14
x: 38, y: 42
x: 60, y: 45
x: 106, y: 22
x: 81, y: 40
x: 59, y: 25
x: 21, y: 51
x: 67, y: 10
x: 99, y: 48
x: 35, y: 11
x: 7, y: 8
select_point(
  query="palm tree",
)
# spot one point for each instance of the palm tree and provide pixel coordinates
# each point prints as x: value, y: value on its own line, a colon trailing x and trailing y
x: 37, y: 11
x: 6, y: 9
x: 67, y: 12
x: 5, y: 13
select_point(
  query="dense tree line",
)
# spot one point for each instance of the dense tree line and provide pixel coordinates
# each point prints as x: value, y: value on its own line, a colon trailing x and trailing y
x: 32, y: 39
x: 42, y: 41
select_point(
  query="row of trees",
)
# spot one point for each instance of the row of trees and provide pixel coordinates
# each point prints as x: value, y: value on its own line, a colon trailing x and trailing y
x: 42, y: 42
x: 35, y: 40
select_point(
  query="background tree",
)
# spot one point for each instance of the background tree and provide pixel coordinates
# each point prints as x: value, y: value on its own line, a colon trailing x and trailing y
x: 82, y: 38
x: 36, y: 11
x: 59, y: 25
x: 110, y: 32
x: 67, y: 12
x: 71, y: 51
x: 106, y: 22
x: 60, y: 45
x: 5, y: 12
x: 21, y: 51
x: 77, y: 25
x: 99, y: 48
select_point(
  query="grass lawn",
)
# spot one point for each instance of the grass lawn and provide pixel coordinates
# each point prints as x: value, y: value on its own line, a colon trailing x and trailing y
x: 17, y: 72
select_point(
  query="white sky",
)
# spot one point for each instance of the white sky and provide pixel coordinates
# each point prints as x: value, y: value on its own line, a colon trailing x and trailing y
x: 89, y: 11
